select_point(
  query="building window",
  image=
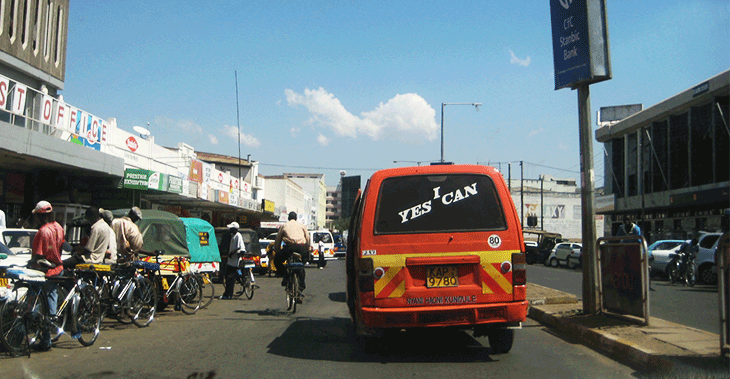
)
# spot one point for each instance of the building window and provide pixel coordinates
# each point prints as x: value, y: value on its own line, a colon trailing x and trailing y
x: 47, y: 35
x: 679, y: 152
x: 617, y: 154
x: 59, y: 34
x: 701, y: 158
x: 631, y: 165
x: 722, y: 140
x: 36, y: 27
x: 659, y: 142
x: 12, y: 20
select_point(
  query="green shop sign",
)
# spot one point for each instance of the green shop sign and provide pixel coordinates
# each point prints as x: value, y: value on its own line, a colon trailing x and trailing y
x: 136, y: 178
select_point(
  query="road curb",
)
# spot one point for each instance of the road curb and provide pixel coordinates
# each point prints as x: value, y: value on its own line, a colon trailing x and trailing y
x: 606, y: 343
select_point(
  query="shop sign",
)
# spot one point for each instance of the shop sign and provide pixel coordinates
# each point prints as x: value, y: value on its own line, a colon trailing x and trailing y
x: 196, y: 171
x: 174, y: 184
x: 136, y: 178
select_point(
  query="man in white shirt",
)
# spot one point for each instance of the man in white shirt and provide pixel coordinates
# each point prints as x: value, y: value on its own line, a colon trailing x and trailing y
x: 235, y: 250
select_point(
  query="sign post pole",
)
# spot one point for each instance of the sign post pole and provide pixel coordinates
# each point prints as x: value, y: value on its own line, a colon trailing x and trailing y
x: 590, y: 278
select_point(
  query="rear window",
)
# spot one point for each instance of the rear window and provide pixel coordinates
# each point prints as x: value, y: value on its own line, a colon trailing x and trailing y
x: 438, y: 203
x: 321, y: 236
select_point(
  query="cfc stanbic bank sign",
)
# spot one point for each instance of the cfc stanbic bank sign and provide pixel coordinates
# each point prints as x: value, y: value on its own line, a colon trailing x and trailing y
x: 580, y: 42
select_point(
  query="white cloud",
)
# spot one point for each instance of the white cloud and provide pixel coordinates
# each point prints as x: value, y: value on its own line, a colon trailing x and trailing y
x: 246, y: 139
x: 324, y: 141
x: 520, y: 62
x: 213, y: 139
x: 407, y: 117
x: 536, y: 132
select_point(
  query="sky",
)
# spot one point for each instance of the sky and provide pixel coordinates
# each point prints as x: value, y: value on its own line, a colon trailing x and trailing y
x: 325, y: 86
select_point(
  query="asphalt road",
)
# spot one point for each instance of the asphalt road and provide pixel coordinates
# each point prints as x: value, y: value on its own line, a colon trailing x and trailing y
x: 258, y: 339
x: 696, y: 306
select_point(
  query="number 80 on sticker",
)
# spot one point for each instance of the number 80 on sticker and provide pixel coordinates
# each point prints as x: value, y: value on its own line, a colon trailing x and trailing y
x: 494, y: 241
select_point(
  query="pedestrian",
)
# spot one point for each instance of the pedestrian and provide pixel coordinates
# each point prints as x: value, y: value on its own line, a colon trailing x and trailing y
x: 628, y: 228
x: 321, y: 263
x: 111, y: 255
x: 97, y: 245
x: 236, y: 249
x: 129, y: 238
x: 296, y: 239
x: 47, y: 245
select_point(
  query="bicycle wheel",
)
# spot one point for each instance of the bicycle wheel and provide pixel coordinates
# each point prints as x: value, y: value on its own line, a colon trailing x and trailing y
x: 144, y: 302
x: 21, y: 320
x: 87, y: 315
x: 240, y: 285
x: 58, y: 327
x: 248, y: 286
x: 190, y: 294
x: 673, y: 272
x: 290, y: 300
x: 295, y: 292
x: 691, y: 275
x: 208, y: 289
x: 121, y: 294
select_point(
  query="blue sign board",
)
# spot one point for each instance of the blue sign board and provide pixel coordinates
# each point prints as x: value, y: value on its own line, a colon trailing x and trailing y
x: 580, y: 42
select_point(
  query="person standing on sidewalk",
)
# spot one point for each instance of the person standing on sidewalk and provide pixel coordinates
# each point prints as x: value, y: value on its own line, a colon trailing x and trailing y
x: 235, y: 250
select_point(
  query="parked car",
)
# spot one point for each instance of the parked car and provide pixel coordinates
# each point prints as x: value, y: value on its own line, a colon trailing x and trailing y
x: 329, y: 244
x: 575, y: 259
x: 659, y: 253
x: 560, y: 254
x: 19, y: 243
x: 706, y: 267
x: 544, y: 245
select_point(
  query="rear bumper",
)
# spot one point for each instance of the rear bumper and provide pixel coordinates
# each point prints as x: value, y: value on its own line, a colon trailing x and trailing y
x: 435, y: 316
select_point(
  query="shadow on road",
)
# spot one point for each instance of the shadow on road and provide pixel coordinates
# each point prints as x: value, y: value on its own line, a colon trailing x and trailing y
x: 332, y: 340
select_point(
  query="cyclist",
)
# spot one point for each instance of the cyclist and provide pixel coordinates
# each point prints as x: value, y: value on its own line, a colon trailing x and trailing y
x: 47, y: 245
x: 296, y: 238
x: 685, y: 251
x: 129, y: 238
x: 235, y: 250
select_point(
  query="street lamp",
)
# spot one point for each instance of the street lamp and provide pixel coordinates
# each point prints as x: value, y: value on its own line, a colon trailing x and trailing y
x: 475, y: 105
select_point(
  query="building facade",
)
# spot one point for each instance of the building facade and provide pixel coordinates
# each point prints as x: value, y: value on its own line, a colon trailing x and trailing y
x: 668, y: 166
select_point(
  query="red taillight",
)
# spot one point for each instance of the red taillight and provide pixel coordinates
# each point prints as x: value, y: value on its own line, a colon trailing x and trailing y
x: 519, y: 269
x: 366, y: 280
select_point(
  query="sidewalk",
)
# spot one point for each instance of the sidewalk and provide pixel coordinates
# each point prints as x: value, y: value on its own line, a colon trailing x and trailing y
x: 663, y: 347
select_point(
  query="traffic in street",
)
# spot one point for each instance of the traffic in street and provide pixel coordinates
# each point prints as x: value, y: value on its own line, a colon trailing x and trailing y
x: 259, y: 338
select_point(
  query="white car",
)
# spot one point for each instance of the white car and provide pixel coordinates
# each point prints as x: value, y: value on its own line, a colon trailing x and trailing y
x: 705, y: 261
x: 660, y: 251
x: 20, y: 244
x: 561, y: 252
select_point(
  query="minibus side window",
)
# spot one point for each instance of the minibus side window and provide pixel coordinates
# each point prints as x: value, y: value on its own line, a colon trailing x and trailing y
x: 438, y: 203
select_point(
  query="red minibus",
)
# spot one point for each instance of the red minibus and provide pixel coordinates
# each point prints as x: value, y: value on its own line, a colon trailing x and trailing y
x: 436, y: 246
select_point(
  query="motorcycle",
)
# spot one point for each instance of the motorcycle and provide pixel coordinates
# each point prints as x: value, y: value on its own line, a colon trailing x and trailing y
x: 678, y: 271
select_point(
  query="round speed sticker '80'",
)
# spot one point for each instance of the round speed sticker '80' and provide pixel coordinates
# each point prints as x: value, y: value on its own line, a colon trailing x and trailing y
x: 494, y: 241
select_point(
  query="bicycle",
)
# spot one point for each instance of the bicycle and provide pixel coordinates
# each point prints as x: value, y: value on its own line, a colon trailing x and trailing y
x: 185, y: 289
x: 686, y: 272
x: 245, y: 280
x: 25, y: 318
x: 206, y: 287
x: 293, y: 292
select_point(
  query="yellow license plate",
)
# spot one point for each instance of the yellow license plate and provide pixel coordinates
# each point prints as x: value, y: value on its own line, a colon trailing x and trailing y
x: 3, y: 282
x: 205, y: 279
x: 165, y: 286
x: 442, y: 276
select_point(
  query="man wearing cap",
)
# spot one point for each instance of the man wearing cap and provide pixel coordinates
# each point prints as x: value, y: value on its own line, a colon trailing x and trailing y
x: 47, y: 245
x: 235, y: 250
x: 98, y: 243
x: 296, y: 239
x: 129, y: 238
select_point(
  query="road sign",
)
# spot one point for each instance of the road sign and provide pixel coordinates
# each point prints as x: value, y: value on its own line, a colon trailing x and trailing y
x: 580, y: 42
